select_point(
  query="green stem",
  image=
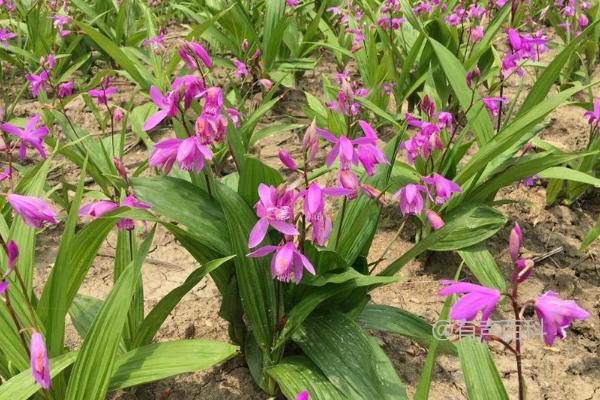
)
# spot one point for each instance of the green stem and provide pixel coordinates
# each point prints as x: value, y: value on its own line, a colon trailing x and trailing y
x: 339, y: 232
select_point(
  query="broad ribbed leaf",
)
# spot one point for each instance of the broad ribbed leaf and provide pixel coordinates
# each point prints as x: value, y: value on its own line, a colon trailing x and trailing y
x: 253, y: 173
x: 569, y: 174
x: 22, y: 386
x: 522, y: 168
x: 186, y: 204
x: 592, y: 235
x: 470, y: 227
x: 95, y: 362
x: 479, y: 119
x: 53, y: 304
x: 22, y: 234
x: 391, y: 319
x: 163, y: 360
x: 479, y: 370
x: 518, y: 130
x: 272, y: 31
x: 254, y: 279
x: 424, y: 384
x: 31, y: 184
x: 482, y: 264
x: 83, y: 311
x: 349, y: 358
x: 134, y: 69
x: 328, y: 285
x: 298, y: 373
x: 161, y: 311
x: 463, y: 229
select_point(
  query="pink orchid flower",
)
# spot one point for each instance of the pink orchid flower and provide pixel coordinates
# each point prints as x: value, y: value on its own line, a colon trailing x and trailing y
x: 167, y: 104
x: 30, y: 136
x: 476, y: 298
x: 411, y: 201
x: 275, y: 208
x: 35, y: 212
x: 442, y: 187
x: 288, y: 262
x: 556, y: 315
x: 39, y: 361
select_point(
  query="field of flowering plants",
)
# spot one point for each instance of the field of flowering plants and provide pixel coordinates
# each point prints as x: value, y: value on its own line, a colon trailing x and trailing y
x: 299, y: 199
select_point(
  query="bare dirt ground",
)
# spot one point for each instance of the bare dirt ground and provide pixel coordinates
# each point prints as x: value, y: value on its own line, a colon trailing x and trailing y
x: 570, y: 369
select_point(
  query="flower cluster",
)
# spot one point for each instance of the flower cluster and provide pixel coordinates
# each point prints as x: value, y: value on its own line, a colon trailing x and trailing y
x: 471, y: 18
x: 276, y: 207
x: 99, y: 208
x: 427, y: 140
x: 390, y: 15
x: 345, y: 103
x: 522, y: 48
x: 574, y: 15
x: 351, y: 152
x: 210, y: 126
x: 437, y: 189
x: 554, y: 313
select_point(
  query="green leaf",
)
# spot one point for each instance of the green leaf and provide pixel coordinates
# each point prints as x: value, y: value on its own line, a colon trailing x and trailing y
x: 163, y: 360
x: 254, y: 279
x: 481, y: 375
x: 134, y: 69
x: 271, y: 129
x: 482, y: 264
x: 463, y: 229
x: 391, y: 319
x: 349, y: 358
x: 83, y: 311
x: 53, y: 303
x: 24, y: 235
x: 479, y: 119
x: 517, y: 131
x: 570, y: 175
x: 327, y: 286
x: 247, y: 128
x: 470, y: 229
x: 95, y: 362
x: 424, y: 384
x: 186, y: 204
x: 592, y: 235
x: 161, y: 311
x: 146, y: 364
x: 298, y: 373
x: 272, y: 31
x: 22, y: 386
x: 516, y: 170
x: 252, y: 174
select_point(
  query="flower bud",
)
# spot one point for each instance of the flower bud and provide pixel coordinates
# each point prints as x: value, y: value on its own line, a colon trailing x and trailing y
x: 287, y: 160
x: 12, y: 252
x: 348, y: 180
x: 310, y: 142
x: 514, y: 242
x: 120, y: 168
x: 434, y: 219
x: 117, y: 116
x: 522, y: 270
